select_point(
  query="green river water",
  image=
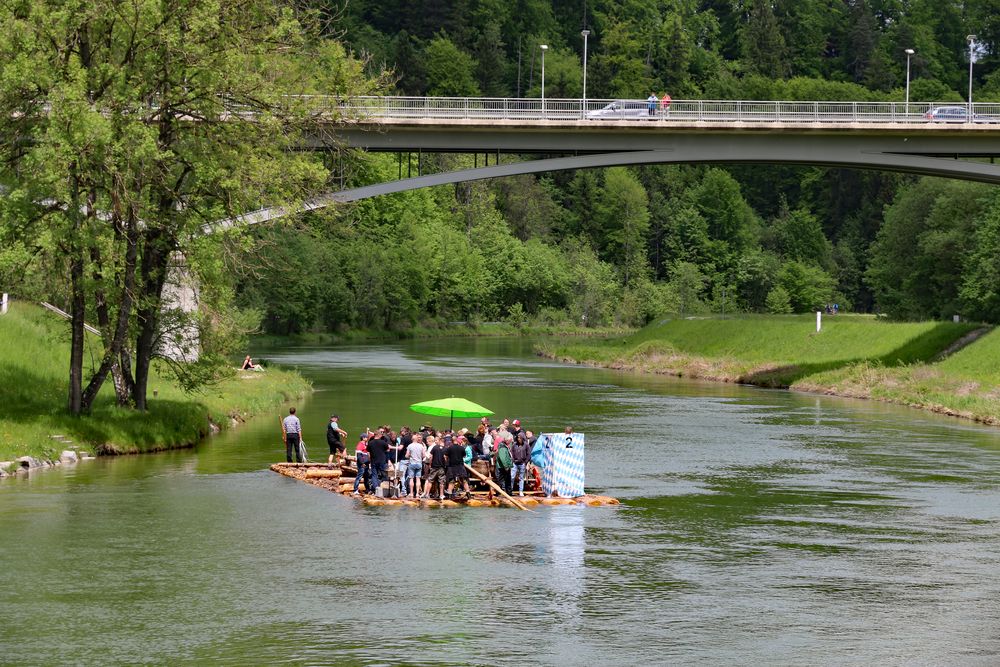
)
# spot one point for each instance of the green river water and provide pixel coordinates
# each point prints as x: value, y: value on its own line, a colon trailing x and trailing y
x: 757, y: 527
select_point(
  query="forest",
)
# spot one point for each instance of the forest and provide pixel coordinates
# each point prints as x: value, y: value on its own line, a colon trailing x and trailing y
x: 624, y: 245
x: 620, y: 246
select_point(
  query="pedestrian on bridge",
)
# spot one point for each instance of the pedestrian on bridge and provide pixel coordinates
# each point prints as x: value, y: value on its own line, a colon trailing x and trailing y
x: 651, y: 103
x: 665, y: 104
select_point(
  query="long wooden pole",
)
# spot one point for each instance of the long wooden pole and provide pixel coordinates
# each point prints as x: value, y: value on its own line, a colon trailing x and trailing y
x: 495, y: 487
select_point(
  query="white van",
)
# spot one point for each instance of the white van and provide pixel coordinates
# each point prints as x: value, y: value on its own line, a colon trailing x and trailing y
x: 623, y: 110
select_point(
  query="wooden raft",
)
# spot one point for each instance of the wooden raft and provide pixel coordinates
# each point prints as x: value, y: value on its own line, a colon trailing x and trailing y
x: 341, y: 480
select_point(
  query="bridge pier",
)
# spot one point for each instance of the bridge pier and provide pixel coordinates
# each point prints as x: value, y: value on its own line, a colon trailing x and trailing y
x: 180, y: 338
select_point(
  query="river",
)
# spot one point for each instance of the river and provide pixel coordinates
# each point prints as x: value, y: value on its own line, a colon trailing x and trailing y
x: 756, y: 527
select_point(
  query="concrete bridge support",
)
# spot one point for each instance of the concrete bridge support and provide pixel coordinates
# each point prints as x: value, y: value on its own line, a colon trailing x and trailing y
x: 179, y: 338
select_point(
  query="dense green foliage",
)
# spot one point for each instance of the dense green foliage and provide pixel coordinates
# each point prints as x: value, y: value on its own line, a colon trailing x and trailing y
x: 34, y: 349
x: 623, y: 245
x: 614, y: 246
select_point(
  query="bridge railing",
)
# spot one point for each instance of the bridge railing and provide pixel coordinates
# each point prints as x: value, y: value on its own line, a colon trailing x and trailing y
x: 714, y: 111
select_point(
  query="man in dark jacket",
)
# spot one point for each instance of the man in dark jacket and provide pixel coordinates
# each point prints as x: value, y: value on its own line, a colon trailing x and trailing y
x: 456, y: 466
x: 439, y: 463
x: 335, y: 439
x: 520, y: 452
x: 378, y: 450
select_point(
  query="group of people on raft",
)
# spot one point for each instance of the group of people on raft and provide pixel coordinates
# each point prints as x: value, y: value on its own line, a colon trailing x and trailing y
x: 430, y: 463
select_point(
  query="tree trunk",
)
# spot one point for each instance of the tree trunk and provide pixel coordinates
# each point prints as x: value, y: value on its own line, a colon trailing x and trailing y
x: 153, y: 274
x: 78, y: 312
x: 115, y: 339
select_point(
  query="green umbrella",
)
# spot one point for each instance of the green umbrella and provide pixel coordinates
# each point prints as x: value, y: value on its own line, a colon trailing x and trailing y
x: 451, y: 407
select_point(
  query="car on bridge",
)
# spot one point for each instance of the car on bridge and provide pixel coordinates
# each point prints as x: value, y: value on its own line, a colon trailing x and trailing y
x: 957, y: 114
x: 623, y: 110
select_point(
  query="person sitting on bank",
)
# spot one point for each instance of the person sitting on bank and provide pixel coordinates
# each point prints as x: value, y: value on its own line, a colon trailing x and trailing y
x: 249, y: 365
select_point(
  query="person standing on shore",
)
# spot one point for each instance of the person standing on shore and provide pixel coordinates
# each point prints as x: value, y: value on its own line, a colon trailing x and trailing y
x: 335, y: 439
x: 291, y: 427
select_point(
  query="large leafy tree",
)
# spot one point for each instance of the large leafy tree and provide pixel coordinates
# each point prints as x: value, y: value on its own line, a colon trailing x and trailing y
x: 128, y: 127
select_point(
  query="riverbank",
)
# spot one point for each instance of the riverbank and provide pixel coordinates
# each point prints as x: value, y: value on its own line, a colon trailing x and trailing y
x: 945, y: 367
x: 34, y: 354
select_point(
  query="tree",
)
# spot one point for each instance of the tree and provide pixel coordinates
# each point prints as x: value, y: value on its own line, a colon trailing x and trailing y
x: 623, y: 213
x: 491, y: 62
x: 449, y: 69
x: 808, y: 287
x: 140, y: 124
x: 916, y: 259
x: 763, y: 46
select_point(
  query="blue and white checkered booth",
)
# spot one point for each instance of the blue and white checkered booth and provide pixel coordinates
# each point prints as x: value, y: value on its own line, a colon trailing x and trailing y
x: 562, y: 474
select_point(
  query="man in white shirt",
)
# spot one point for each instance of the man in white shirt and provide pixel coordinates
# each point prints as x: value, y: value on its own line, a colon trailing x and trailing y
x: 291, y: 427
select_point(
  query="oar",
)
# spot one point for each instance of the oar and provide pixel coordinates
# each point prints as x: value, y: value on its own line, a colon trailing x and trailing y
x: 496, y: 487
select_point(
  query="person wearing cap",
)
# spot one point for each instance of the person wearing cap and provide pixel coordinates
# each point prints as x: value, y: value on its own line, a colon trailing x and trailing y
x: 520, y: 452
x: 362, y: 460
x: 515, y: 428
x: 335, y: 439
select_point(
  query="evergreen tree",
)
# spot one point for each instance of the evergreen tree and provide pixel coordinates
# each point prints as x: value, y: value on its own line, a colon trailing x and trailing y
x: 763, y: 46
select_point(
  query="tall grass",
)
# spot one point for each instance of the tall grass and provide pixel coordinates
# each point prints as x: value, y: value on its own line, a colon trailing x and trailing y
x: 34, y: 371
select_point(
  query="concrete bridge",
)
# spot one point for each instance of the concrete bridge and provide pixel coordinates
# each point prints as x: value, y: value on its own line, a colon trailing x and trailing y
x: 916, y: 138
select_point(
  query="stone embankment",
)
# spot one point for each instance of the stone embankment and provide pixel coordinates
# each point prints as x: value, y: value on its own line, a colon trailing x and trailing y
x: 26, y: 464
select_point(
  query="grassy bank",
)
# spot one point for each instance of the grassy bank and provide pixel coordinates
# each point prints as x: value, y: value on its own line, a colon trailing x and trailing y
x: 34, y: 366
x: 965, y: 384
x: 852, y: 356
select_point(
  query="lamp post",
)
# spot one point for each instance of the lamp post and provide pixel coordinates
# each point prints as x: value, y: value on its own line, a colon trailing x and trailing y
x: 585, y: 33
x: 544, y: 48
x: 909, y: 52
x: 972, y: 46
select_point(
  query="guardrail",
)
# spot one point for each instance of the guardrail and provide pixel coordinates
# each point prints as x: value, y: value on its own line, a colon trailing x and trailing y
x: 713, y: 111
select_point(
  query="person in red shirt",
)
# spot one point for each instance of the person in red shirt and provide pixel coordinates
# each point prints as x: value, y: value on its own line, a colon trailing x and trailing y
x: 665, y: 104
x: 362, y: 460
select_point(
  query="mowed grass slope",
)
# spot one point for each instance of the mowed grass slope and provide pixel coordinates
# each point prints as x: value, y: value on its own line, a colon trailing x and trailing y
x: 34, y: 371
x: 766, y: 350
x: 965, y: 384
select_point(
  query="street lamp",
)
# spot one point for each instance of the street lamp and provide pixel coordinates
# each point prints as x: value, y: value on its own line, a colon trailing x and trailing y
x: 908, y: 52
x: 544, y: 48
x: 585, y: 33
x: 972, y: 46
